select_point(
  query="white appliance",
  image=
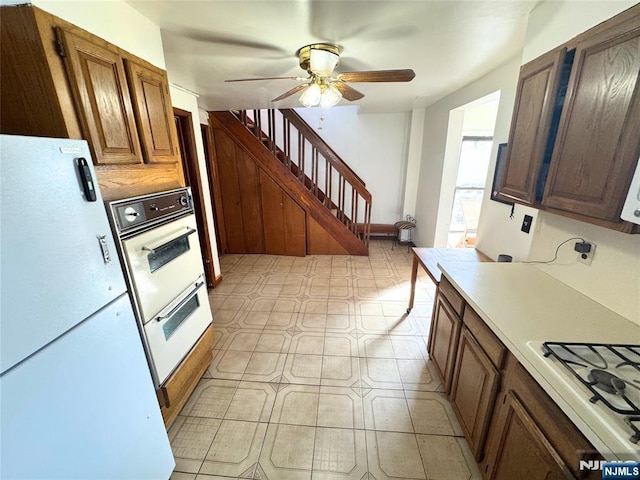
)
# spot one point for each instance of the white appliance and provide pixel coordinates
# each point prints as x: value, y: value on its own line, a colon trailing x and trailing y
x: 631, y: 207
x: 159, y: 242
x: 76, y: 396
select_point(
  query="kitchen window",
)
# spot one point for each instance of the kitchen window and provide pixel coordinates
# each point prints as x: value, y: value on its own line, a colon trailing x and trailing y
x: 475, y: 153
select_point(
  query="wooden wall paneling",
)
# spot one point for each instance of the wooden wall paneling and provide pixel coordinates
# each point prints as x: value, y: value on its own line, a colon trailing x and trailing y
x: 249, y: 183
x: 152, y: 106
x: 230, y: 192
x: 327, y: 236
x: 295, y: 227
x: 214, y: 187
x: 320, y: 242
x: 98, y: 80
x: 272, y: 215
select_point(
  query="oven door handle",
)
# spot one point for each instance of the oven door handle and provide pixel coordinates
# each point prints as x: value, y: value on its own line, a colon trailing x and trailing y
x: 171, y: 312
x: 153, y: 248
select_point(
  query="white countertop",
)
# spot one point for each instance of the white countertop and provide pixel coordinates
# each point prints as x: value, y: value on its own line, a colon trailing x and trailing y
x: 524, y: 307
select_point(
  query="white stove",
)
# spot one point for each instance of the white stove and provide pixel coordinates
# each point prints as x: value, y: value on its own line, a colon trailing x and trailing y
x: 599, y: 385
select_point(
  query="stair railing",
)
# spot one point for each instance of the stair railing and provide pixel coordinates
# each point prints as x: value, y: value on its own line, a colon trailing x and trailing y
x: 321, y: 170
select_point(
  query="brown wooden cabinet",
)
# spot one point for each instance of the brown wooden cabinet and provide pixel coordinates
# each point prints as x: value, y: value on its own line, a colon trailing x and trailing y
x: 473, y: 391
x: 598, y: 142
x: 153, y: 111
x: 61, y: 81
x: 445, y: 332
x: 530, y: 125
x: 99, y: 84
x: 530, y: 437
x: 574, y: 140
x: 514, y: 429
x: 522, y: 451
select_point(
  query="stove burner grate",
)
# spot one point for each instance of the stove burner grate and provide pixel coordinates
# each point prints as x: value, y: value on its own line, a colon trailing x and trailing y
x: 632, y: 421
x: 606, y: 381
x: 599, y: 381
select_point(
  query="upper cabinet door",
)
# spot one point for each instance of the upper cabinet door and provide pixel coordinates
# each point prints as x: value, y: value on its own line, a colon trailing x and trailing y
x: 598, y: 140
x: 99, y: 83
x: 531, y: 124
x: 154, y: 113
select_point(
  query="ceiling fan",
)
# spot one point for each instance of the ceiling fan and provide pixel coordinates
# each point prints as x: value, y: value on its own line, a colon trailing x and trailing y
x: 325, y: 87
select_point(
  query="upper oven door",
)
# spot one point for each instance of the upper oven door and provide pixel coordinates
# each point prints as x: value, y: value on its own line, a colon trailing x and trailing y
x: 163, y: 262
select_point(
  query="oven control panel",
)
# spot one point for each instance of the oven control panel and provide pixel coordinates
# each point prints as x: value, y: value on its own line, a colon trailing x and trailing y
x: 134, y: 214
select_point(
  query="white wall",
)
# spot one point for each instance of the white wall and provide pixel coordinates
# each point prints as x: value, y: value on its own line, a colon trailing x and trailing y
x: 115, y: 21
x: 453, y: 145
x: 186, y: 100
x: 475, y: 118
x: 414, y: 155
x: 375, y: 146
x: 436, y: 124
x: 613, y: 279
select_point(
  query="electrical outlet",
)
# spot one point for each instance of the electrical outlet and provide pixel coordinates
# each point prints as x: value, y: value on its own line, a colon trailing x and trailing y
x: 526, y: 223
x: 587, y: 257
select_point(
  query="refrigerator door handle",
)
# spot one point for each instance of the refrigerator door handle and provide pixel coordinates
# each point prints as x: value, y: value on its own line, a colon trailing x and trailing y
x: 106, y: 256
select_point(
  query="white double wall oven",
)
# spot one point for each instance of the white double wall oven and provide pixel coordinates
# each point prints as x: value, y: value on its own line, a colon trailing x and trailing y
x: 160, y: 248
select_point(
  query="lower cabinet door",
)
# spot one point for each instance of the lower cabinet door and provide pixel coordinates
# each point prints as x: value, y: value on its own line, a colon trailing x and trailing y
x: 520, y: 449
x: 444, y: 339
x: 473, y: 391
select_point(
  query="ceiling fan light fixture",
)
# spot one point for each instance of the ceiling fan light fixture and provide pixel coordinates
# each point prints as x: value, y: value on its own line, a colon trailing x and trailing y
x: 322, y: 62
x: 330, y: 97
x: 311, y: 96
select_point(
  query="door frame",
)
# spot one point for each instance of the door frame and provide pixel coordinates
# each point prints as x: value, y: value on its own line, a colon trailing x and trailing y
x: 188, y: 153
x: 214, y: 187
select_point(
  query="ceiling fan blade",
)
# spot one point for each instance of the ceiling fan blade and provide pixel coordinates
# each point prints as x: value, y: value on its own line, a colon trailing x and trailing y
x: 288, y: 93
x: 378, y: 76
x: 228, y: 40
x: 264, y: 78
x: 348, y: 93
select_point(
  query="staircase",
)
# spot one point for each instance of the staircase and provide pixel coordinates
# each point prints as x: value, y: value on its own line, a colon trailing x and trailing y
x: 311, y: 164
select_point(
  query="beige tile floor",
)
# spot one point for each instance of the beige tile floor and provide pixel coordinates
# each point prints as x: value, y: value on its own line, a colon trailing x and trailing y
x: 319, y: 373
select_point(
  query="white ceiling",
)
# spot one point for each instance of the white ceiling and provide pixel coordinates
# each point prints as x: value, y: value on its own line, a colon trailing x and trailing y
x: 447, y: 43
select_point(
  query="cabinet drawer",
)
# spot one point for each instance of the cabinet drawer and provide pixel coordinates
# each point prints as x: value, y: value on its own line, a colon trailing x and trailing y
x: 491, y: 345
x: 449, y: 292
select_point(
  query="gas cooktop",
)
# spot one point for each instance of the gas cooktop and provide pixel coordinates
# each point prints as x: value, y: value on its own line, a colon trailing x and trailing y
x: 610, y: 373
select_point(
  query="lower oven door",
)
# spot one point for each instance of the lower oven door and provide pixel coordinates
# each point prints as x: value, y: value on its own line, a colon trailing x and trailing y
x: 174, y: 331
x: 162, y: 262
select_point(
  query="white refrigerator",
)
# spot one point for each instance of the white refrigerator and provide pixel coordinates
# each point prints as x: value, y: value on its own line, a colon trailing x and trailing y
x: 76, y: 395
